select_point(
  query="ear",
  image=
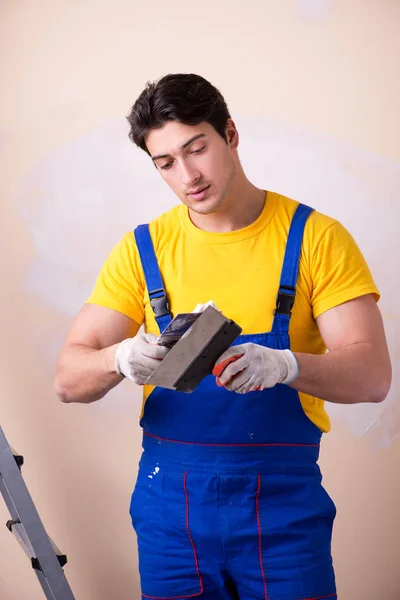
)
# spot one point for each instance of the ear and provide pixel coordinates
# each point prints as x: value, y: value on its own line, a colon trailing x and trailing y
x: 232, y: 134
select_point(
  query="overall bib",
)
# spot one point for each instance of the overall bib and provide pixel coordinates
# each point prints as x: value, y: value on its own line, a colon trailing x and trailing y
x: 228, y: 502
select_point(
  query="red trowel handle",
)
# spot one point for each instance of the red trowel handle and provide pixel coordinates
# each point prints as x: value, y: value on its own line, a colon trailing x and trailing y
x: 217, y: 370
x: 221, y: 366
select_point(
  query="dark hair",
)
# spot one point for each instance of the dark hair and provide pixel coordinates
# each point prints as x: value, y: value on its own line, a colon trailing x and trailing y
x: 185, y: 98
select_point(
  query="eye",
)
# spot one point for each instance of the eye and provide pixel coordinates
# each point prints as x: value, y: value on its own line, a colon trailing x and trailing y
x: 198, y: 151
x: 167, y: 166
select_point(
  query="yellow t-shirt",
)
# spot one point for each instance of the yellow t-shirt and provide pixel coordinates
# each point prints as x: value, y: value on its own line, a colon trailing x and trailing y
x: 240, y: 271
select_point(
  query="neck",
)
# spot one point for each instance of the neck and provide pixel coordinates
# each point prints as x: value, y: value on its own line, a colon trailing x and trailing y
x: 241, y: 208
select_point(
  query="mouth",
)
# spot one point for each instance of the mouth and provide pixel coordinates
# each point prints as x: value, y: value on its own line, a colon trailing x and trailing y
x: 199, y: 194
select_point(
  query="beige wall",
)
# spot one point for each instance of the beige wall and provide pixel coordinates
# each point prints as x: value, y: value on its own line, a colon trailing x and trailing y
x: 314, y: 86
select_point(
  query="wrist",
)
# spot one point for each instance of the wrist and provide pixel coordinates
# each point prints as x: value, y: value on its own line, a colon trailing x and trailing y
x: 113, y: 359
x: 290, y: 367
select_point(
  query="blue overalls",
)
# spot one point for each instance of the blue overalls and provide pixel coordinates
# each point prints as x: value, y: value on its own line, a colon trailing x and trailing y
x: 228, y: 502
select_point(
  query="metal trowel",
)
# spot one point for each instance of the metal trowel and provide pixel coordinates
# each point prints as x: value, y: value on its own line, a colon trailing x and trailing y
x: 196, y: 346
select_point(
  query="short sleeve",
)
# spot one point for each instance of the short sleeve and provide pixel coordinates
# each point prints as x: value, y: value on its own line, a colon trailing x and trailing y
x: 120, y: 283
x: 339, y: 271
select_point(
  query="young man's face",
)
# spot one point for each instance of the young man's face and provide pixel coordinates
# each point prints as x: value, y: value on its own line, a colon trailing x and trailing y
x: 197, y: 164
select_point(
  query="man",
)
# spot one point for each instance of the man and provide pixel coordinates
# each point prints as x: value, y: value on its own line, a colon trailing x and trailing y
x: 228, y: 502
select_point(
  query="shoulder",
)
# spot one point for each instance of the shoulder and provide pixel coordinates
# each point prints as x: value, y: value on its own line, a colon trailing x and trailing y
x: 324, y: 236
x: 317, y: 223
x: 167, y: 221
x: 165, y: 228
x: 160, y: 227
x: 319, y: 228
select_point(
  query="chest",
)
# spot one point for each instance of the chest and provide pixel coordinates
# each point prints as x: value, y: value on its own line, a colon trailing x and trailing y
x: 242, y: 279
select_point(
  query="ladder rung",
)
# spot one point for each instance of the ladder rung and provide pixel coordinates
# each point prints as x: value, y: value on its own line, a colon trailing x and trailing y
x: 18, y: 531
x: 19, y: 459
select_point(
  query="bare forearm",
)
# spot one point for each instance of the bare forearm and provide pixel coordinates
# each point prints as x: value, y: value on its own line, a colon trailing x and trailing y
x: 348, y: 375
x: 84, y: 374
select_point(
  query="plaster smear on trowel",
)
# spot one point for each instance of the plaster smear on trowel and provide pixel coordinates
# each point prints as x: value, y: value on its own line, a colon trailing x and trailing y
x: 78, y: 202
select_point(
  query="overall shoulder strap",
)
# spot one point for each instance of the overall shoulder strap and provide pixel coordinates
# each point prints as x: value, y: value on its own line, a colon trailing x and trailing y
x: 154, y: 282
x: 290, y: 270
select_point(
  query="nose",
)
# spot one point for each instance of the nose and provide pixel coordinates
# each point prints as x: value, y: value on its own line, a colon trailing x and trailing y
x: 190, y: 175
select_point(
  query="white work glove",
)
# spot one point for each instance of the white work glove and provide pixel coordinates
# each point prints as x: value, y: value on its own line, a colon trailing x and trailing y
x: 202, y: 307
x: 251, y: 367
x: 136, y: 358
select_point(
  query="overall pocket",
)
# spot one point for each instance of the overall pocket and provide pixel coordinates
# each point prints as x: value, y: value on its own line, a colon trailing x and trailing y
x: 295, y: 517
x: 160, y: 512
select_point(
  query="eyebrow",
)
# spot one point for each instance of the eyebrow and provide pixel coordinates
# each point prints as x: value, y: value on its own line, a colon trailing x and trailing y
x: 185, y: 145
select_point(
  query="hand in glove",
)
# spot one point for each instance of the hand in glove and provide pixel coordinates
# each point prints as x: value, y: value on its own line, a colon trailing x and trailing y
x: 136, y: 358
x: 251, y: 367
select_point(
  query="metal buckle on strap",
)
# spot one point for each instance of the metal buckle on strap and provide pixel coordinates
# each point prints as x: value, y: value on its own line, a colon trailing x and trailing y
x: 160, y: 304
x: 285, y: 300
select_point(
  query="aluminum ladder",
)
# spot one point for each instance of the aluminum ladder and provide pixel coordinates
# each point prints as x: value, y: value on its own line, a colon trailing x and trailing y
x: 26, y: 526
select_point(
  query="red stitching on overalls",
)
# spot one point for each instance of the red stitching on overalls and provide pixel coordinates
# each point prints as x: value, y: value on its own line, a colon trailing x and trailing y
x: 321, y: 597
x: 190, y: 535
x: 230, y: 445
x: 172, y: 597
x: 194, y: 552
x: 260, y: 538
